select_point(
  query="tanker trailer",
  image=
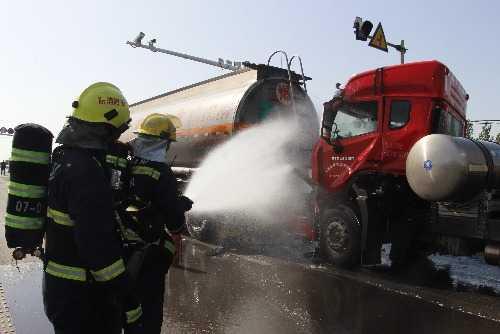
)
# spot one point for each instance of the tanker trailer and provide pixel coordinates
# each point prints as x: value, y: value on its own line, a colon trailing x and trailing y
x: 212, y: 111
x: 460, y: 177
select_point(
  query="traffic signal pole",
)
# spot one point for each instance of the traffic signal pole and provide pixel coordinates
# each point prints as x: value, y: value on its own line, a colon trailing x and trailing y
x: 362, y: 31
x: 401, y: 48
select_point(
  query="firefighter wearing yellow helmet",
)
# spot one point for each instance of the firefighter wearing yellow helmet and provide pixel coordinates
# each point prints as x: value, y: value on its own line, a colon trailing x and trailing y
x: 86, y: 287
x: 160, y: 125
x: 157, y: 215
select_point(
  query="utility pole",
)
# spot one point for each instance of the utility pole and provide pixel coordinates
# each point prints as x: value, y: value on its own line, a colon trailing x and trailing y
x: 227, y: 65
x: 362, y: 31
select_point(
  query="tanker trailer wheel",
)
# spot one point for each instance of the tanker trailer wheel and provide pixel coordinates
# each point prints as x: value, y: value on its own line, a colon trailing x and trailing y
x: 202, y: 228
x: 340, y: 239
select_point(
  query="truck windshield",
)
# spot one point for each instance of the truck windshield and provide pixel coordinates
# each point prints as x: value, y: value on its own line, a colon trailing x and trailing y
x: 354, y: 119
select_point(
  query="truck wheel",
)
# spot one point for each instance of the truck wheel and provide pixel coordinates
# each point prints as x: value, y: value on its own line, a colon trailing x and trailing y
x: 341, y: 237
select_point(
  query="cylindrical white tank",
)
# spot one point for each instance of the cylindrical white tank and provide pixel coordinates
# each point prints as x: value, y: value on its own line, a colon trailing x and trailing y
x: 212, y: 111
x: 445, y: 168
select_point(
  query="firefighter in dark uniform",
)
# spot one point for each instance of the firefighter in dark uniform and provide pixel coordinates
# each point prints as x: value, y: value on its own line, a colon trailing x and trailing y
x: 86, y: 287
x: 155, y: 204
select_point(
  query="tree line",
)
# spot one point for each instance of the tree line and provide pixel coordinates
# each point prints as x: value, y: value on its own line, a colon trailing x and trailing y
x: 484, y: 134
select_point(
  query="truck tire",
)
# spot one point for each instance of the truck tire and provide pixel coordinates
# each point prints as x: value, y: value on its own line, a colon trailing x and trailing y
x: 340, y: 238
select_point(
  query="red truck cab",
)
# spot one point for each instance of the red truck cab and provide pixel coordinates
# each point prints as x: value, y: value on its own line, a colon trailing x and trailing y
x: 358, y: 164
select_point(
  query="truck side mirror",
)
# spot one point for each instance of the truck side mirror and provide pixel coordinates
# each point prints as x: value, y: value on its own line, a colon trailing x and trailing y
x: 329, y: 114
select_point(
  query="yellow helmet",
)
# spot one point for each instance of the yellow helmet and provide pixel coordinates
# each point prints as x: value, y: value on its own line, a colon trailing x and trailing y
x: 160, y: 125
x: 102, y: 102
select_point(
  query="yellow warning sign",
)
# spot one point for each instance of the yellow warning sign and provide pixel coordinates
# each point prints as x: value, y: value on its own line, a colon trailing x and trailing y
x: 378, y: 40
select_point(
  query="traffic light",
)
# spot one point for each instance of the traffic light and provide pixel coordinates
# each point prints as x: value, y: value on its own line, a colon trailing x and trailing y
x: 362, y: 28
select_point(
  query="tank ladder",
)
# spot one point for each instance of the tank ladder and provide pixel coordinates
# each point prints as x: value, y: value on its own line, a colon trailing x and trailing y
x: 289, y: 62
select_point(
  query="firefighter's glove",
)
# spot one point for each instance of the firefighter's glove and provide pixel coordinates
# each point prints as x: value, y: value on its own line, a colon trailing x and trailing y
x: 186, y: 203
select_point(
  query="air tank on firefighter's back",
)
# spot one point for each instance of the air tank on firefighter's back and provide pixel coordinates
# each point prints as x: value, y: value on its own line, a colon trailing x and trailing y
x: 445, y: 168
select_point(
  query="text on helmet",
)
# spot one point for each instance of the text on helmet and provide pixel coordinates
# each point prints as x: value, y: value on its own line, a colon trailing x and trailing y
x: 113, y: 101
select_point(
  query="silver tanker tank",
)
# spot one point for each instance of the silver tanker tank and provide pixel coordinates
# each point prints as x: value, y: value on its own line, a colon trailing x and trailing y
x: 213, y: 110
x: 453, y: 169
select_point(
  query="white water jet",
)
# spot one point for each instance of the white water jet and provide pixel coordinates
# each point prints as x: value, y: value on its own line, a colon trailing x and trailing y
x: 251, y: 175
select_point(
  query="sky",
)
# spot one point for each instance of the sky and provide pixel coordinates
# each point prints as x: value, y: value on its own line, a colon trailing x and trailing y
x: 52, y: 50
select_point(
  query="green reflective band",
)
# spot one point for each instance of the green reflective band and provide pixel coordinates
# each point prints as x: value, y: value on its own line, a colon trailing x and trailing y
x: 26, y: 190
x: 117, y: 161
x: 170, y: 246
x: 59, y: 217
x: 30, y: 156
x: 130, y: 235
x: 109, y: 272
x: 24, y: 223
x: 122, y: 163
x: 67, y: 272
x: 134, y: 315
x: 143, y: 170
x: 111, y: 159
